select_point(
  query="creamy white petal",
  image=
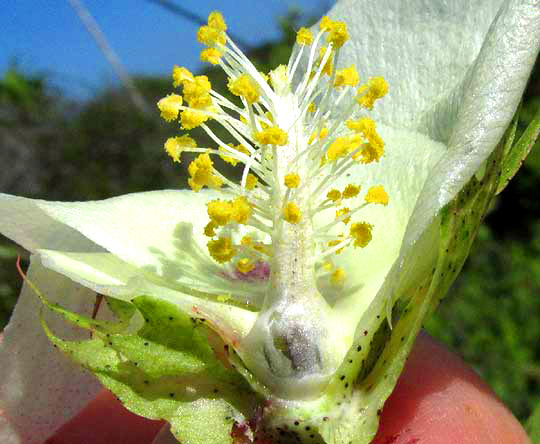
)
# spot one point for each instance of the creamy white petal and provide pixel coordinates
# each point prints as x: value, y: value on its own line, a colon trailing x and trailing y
x: 409, y: 158
x: 27, y: 223
x: 153, y: 230
x: 495, y: 88
x: 423, y: 48
x: 40, y: 388
x: 457, y: 71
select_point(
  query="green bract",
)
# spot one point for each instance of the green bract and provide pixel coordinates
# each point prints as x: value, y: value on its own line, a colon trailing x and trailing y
x: 281, y: 353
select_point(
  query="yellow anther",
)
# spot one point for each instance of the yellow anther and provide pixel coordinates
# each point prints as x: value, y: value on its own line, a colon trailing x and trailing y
x: 327, y: 266
x: 338, y: 148
x: 181, y: 75
x: 378, y: 195
x: 323, y: 134
x: 343, y: 212
x: 347, y: 77
x: 292, y: 214
x: 170, y: 106
x: 304, y: 37
x: 334, y: 243
x: 220, y: 212
x: 197, y: 93
x: 221, y: 249
x: 216, y: 21
x: 312, y: 107
x: 334, y: 195
x: 251, y: 181
x: 374, y: 148
x: 241, y: 210
x: 190, y: 119
x: 375, y: 89
x: 245, y: 265
x: 223, y: 212
x: 201, y: 172
x: 199, y: 85
x: 211, y: 55
x: 175, y: 145
x: 338, y: 276
x: 326, y: 23
x: 246, y: 241
x: 292, y: 180
x: 364, y: 125
x: 338, y: 34
x: 361, y: 233
x: 209, y: 229
x: 210, y: 36
x: 272, y: 136
x: 350, y: 191
x: 371, y: 153
x: 262, y: 248
x: 244, y: 86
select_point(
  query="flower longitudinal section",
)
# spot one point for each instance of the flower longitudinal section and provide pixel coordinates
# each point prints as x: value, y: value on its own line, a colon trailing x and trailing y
x: 297, y: 130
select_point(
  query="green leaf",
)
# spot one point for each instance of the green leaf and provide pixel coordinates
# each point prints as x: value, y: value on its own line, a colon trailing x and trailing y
x: 165, y: 370
x: 513, y: 158
x: 533, y: 425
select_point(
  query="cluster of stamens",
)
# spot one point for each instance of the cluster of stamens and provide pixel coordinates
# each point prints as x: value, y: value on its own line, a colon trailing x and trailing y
x: 294, y: 138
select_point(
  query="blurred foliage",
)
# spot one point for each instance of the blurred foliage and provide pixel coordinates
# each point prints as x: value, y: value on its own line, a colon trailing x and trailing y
x: 491, y: 317
x: 58, y: 149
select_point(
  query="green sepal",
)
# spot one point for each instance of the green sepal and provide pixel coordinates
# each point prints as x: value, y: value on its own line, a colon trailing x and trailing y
x: 165, y: 370
x: 513, y: 157
x: 81, y: 321
x: 122, y: 310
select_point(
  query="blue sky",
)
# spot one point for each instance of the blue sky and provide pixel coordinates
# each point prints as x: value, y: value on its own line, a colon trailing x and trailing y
x: 46, y: 36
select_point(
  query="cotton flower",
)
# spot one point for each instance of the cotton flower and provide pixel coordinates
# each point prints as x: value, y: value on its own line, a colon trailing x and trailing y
x: 316, y: 269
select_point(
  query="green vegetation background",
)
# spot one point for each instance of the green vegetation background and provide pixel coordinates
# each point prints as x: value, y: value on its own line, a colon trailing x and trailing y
x: 59, y: 149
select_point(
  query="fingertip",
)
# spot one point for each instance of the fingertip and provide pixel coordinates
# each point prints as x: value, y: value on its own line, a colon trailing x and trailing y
x: 440, y: 400
x: 105, y: 421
